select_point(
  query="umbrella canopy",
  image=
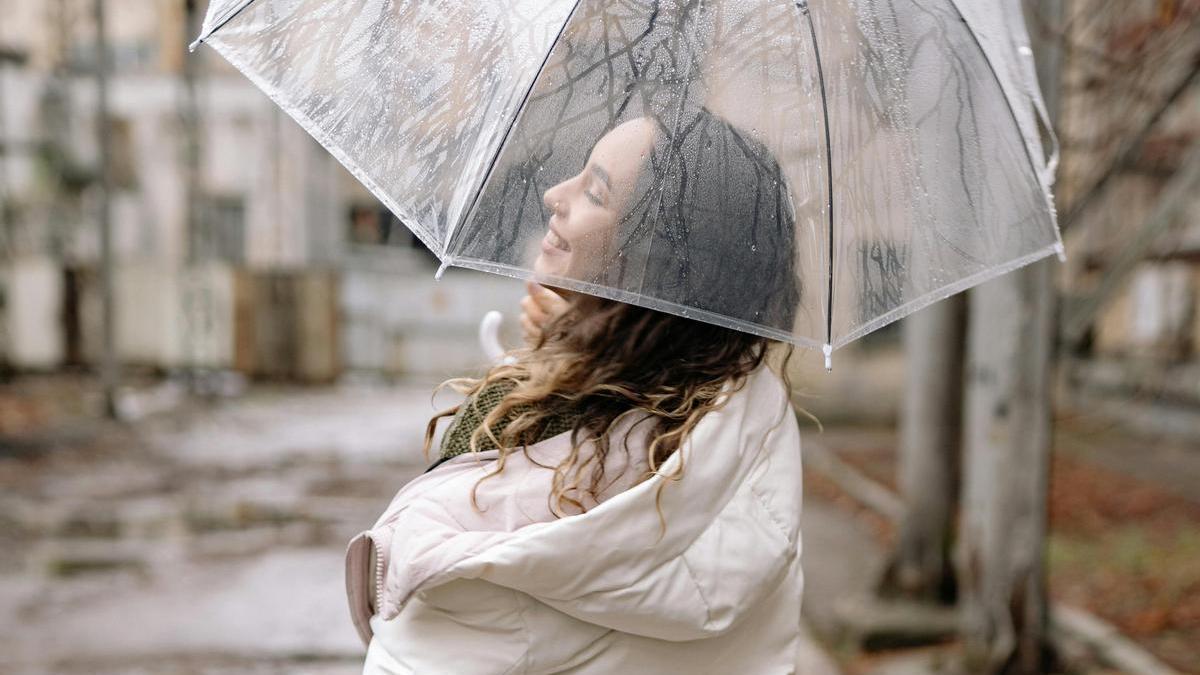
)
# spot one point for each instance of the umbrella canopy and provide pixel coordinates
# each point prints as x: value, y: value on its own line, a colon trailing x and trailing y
x: 807, y: 172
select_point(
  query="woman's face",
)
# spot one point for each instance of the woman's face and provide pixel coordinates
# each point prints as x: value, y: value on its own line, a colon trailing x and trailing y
x: 585, y: 209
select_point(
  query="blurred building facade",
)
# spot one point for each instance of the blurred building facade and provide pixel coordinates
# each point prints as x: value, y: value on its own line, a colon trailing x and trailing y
x: 239, y: 242
x: 1130, y: 128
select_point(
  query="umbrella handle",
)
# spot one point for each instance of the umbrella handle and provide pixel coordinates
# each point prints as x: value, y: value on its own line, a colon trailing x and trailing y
x: 489, y: 339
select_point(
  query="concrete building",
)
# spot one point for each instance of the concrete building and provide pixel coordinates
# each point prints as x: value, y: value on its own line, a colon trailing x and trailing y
x: 239, y: 242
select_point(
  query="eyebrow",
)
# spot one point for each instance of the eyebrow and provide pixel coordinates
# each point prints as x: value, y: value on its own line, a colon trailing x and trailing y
x: 602, y: 175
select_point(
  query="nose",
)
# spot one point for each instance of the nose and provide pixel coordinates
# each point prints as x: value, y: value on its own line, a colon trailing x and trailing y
x: 557, y: 199
x: 553, y: 198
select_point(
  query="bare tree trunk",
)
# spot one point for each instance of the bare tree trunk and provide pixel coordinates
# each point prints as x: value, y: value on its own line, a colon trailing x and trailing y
x: 1008, y: 422
x: 930, y: 440
x: 1007, y: 451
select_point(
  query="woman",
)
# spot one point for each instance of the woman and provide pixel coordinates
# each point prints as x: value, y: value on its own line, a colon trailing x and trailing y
x: 625, y: 497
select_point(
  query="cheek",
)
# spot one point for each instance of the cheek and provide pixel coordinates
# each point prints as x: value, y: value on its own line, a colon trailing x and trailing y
x: 590, y: 249
x: 591, y: 233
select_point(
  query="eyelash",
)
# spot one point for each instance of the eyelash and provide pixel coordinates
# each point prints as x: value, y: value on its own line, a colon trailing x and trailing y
x: 594, y: 199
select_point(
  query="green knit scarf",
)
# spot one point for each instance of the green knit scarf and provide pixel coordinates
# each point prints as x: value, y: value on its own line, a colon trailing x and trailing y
x: 469, y: 417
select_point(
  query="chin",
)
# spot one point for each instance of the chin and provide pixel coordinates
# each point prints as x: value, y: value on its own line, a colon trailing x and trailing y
x: 543, y: 266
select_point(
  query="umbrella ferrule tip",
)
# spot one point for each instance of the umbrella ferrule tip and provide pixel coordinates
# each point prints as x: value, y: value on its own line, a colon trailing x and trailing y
x: 827, y: 350
x: 1061, y: 252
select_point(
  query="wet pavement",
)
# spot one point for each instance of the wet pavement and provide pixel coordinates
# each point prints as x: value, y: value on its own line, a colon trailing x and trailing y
x: 206, y: 540
x: 202, y: 541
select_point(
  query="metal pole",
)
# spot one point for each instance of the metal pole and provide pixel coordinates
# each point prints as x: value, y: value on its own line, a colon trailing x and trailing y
x: 7, y: 226
x: 198, y: 242
x: 108, y: 359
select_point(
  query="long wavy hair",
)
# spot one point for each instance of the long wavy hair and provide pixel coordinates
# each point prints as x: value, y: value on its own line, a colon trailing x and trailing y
x: 605, y: 361
x: 720, y: 237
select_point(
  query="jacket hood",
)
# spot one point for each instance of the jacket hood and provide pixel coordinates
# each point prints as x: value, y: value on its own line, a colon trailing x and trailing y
x: 727, y: 532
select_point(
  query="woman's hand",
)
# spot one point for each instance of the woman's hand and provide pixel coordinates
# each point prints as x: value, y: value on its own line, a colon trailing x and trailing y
x: 538, y: 307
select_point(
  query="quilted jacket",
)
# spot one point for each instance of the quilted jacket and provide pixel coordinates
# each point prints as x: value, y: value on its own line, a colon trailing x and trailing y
x: 702, y: 578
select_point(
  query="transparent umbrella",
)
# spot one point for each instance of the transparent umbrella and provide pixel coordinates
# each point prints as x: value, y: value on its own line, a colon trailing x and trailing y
x: 804, y: 171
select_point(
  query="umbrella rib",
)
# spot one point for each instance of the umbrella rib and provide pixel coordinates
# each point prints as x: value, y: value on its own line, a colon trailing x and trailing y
x: 487, y: 177
x: 802, y: 5
x: 1008, y: 103
x: 229, y: 15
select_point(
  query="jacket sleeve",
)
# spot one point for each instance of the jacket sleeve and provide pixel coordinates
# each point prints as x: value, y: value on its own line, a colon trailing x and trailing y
x: 465, y: 627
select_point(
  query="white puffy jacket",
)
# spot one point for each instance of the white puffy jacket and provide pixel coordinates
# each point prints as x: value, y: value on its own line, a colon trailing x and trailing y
x: 508, y: 588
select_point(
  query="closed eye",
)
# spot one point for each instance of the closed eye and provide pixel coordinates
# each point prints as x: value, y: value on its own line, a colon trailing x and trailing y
x: 597, y: 174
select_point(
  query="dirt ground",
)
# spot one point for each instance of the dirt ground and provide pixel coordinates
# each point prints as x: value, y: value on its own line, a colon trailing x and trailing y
x: 1128, y: 551
x: 1124, y: 526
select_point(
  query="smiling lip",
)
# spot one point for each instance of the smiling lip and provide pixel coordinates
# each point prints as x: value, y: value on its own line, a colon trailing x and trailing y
x: 555, y: 242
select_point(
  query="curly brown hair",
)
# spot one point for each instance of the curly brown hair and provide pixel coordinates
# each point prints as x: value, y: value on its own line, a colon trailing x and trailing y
x: 604, y: 361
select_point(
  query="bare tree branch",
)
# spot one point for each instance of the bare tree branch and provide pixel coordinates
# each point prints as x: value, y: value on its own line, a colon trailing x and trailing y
x: 1128, y: 150
x: 1177, y: 195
